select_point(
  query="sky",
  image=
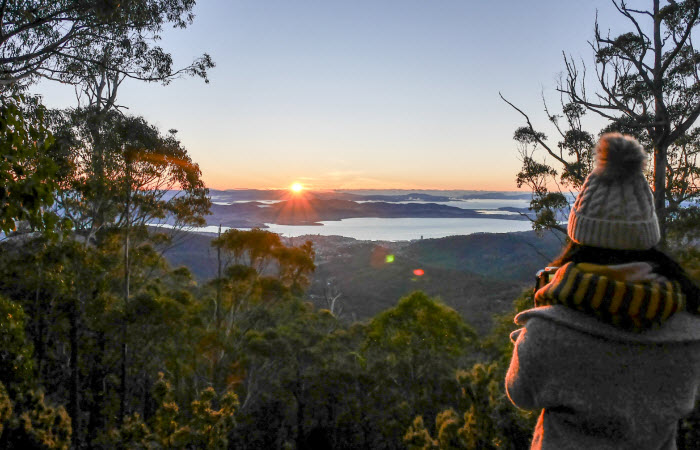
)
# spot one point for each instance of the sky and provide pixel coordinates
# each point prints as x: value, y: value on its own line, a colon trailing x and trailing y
x: 364, y: 93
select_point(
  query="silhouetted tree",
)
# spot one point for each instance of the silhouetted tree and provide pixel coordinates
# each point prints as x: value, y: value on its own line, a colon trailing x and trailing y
x: 647, y: 85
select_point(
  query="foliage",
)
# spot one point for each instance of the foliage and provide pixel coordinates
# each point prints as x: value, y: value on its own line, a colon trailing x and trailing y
x: 36, y: 425
x: 16, y: 365
x: 119, y: 162
x: 487, y: 419
x: 417, y: 327
x: 689, y: 430
x: 413, y: 351
x: 256, y: 270
x: 26, y: 421
x: 60, y: 39
x: 304, y: 379
x: 418, y: 437
x: 170, y: 428
x: 5, y: 407
x: 27, y: 170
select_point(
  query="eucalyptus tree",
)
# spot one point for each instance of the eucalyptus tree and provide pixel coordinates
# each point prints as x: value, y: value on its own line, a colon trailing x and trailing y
x: 92, y: 44
x: 413, y: 350
x: 646, y: 83
x: 257, y: 271
x: 146, y: 176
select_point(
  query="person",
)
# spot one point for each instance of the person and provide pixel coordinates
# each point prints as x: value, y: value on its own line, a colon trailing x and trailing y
x: 610, y: 353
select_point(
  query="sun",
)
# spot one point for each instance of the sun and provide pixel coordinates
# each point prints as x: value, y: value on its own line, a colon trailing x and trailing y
x: 297, y: 187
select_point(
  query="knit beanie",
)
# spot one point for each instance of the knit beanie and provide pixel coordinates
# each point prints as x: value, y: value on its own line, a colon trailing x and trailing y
x: 615, y: 207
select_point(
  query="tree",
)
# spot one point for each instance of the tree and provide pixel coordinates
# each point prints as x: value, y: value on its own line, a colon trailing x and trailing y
x: 486, y: 417
x: 413, y: 333
x: 552, y: 189
x: 53, y: 38
x: 71, y: 293
x: 256, y: 269
x: 646, y: 85
x: 412, y: 350
x: 95, y: 45
x: 131, y: 177
x: 136, y: 167
x: 285, y: 356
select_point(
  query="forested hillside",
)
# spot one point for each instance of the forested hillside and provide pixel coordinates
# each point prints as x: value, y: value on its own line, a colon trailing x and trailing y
x: 477, y: 275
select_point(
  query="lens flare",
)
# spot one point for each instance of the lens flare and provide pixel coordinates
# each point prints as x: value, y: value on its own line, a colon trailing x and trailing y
x: 419, y: 272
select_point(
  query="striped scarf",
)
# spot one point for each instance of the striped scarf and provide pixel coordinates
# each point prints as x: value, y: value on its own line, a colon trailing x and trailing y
x: 593, y: 289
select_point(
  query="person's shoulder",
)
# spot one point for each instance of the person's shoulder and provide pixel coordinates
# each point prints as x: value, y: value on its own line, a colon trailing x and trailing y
x: 683, y: 327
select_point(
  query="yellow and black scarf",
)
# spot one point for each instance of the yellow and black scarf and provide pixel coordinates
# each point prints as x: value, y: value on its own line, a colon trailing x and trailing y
x: 593, y: 289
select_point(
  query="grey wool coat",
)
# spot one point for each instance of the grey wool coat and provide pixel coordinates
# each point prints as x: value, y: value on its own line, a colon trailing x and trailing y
x: 601, y: 387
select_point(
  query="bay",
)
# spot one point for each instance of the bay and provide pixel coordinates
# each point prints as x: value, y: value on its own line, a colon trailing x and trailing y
x: 402, y: 229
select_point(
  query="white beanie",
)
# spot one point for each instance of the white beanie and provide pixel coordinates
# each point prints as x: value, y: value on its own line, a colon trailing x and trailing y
x: 615, y: 208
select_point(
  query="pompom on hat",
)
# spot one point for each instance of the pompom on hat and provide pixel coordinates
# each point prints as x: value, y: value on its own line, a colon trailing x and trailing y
x: 615, y: 207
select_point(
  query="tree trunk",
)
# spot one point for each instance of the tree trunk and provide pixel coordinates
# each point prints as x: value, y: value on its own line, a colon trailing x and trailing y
x: 123, y: 388
x: 39, y: 339
x: 661, y: 132
x: 218, y: 312
x: 300, y: 423
x: 97, y: 379
x: 298, y: 394
x: 74, y: 403
x: 660, y: 162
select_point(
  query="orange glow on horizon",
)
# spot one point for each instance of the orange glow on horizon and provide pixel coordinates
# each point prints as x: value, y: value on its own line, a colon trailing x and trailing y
x: 225, y: 184
x: 223, y: 181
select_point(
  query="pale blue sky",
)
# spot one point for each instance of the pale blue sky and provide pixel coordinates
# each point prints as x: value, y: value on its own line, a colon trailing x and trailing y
x: 351, y: 94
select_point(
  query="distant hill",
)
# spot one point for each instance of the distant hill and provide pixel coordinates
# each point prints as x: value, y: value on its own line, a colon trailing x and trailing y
x: 369, y: 284
x: 311, y: 210
x: 413, y: 196
x: 478, y: 275
x: 232, y: 195
x: 505, y: 256
x: 498, y: 195
x: 194, y: 251
x: 387, y: 195
x: 452, y: 194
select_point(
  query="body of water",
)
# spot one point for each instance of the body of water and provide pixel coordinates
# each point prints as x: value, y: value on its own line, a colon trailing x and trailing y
x: 403, y: 229
x: 393, y: 229
x: 406, y: 229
